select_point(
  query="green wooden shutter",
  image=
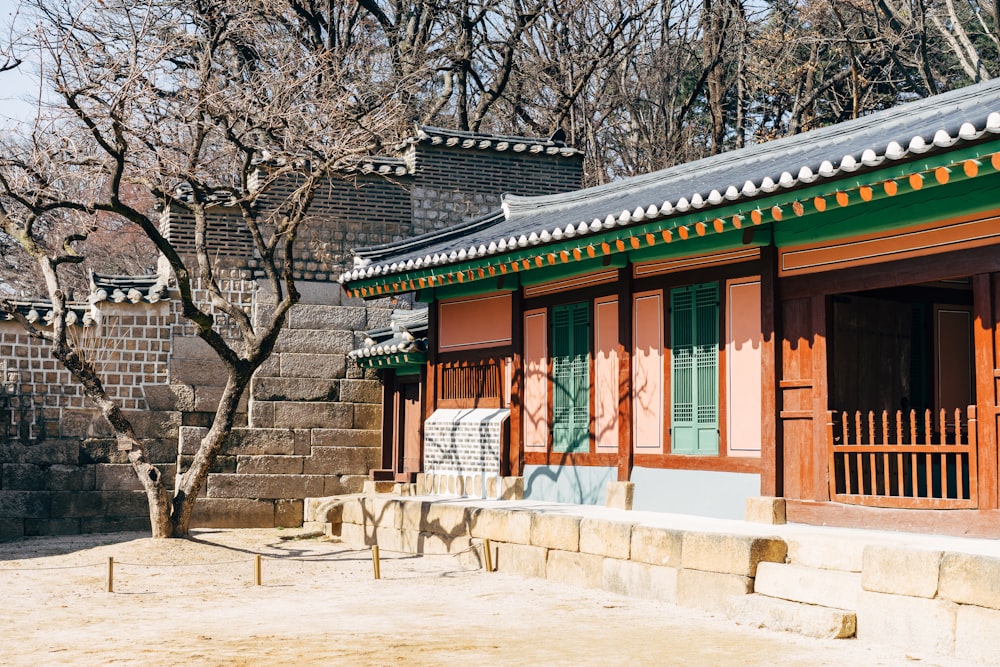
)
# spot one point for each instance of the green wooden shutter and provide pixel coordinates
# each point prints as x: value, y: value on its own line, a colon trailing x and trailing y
x: 694, y: 366
x: 571, y: 377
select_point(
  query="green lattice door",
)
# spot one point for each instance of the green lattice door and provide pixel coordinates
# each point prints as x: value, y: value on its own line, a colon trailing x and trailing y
x: 571, y: 377
x: 694, y: 369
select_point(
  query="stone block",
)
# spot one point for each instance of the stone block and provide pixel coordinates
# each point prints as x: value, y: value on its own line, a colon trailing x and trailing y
x: 512, y: 488
x: 148, y: 424
x: 324, y: 510
x: 295, y: 389
x: 269, y: 464
x: 373, y: 486
x: 50, y: 452
x: 797, y: 583
x: 179, y: 397
x: 265, y: 486
x: 443, y: 517
x: 357, y: 535
x: 207, y: 399
x: 805, y: 619
x: 900, y: 570
x: 575, y: 568
x: 827, y: 552
x: 521, y: 559
x: 114, y: 524
x: 257, y: 442
x: 304, y: 365
x: 729, y: 554
x: 970, y: 579
x: 261, y: 414
x: 290, y: 414
x: 555, y: 531
x: 23, y: 477
x: 916, y: 624
x: 361, y: 391
x: 232, y: 513
x: 288, y: 513
x: 656, y: 546
x: 124, y: 504
x: 71, y: 478
x: 342, y: 460
x: 976, y: 634
x: 340, y: 484
x: 11, y: 528
x: 605, y: 538
x: 271, y: 368
x: 84, y: 424
x: 387, y: 512
x: 116, y: 477
x: 192, y: 347
x: 75, y: 505
x: 501, y: 525
x: 340, y: 437
x: 52, y: 526
x: 314, y: 341
x: 367, y: 416
x: 619, y: 495
x: 417, y: 542
x: 765, y: 509
x: 640, y: 580
x: 197, y: 372
x: 345, y: 318
x: 25, y: 504
x: 710, y: 591
x: 356, y: 509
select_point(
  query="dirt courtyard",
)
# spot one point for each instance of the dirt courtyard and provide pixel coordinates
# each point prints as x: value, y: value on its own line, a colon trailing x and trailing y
x: 194, y: 602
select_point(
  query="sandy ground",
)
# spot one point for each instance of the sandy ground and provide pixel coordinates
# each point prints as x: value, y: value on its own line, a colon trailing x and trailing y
x: 194, y: 602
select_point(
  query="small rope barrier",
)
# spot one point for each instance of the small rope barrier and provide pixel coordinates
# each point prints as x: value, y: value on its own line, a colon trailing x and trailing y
x: 257, y: 559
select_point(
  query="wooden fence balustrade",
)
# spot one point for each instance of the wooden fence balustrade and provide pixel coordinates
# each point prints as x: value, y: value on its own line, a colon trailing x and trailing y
x: 903, y: 459
x: 469, y: 384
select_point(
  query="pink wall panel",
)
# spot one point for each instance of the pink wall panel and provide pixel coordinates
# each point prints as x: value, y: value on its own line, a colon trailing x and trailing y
x: 743, y: 379
x: 536, y: 381
x: 647, y: 372
x: 474, y: 323
x: 606, y: 374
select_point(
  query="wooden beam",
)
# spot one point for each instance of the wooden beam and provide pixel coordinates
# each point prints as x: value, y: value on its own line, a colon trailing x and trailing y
x: 771, y: 482
x: 985, y: 289
x: 625, y: 436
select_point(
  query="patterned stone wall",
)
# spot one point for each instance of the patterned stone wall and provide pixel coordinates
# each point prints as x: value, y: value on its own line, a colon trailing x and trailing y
x: 462, y: 450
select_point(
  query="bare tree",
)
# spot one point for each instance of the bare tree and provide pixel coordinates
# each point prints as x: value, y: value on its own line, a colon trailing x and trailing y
x: 179, y: 102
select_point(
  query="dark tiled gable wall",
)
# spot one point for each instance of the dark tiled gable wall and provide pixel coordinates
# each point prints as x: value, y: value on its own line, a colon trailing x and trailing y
x: 448, y: 186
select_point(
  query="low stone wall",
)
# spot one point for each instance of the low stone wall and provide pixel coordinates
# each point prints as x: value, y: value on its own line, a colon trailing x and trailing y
x: 926, y: 601
x: 687, y: 568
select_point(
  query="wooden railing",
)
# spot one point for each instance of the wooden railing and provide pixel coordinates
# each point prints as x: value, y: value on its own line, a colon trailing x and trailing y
x: 470, y: 384
x: 904, y: 459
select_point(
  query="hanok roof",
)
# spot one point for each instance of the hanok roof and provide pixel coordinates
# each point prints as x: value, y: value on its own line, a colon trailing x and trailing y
x: 436, y: 136
x: 403, y: 342
x: 103, y: 288
x: 905, y: 134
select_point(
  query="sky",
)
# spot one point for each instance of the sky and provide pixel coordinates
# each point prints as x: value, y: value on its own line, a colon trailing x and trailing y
x: 18, y: 89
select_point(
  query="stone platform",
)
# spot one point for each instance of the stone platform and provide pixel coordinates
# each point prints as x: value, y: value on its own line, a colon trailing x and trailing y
x: 928, y: 594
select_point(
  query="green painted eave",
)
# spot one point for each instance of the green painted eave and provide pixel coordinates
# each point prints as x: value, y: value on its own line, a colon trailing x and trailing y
x: 401, y: 362
x: 905, y: 193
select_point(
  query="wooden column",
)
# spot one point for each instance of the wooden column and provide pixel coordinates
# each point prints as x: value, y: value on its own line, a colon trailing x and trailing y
x: 822, y: 313
x: 625, y: 449
x: 771, y: 460
x: 514, y: 465
x: 986, y: 336
x: 433, y: 373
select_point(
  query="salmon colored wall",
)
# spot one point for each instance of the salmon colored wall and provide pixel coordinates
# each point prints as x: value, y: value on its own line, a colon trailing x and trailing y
x: 743, y: 355
x: 606, y: 374
x: 474, y: 323
x: 647, y: 372
x: 536, y: 381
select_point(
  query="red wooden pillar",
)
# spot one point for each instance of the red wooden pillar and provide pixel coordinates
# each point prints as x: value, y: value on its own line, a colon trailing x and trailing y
x: 986, y: 336
x: 771, y: 460
x: 514, y: 465
x: 625, y: 448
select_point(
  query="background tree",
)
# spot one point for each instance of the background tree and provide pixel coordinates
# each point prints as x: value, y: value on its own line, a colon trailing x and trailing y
x: 177, y: 102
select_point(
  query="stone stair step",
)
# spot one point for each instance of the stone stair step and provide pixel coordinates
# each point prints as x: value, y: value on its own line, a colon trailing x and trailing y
x: 798, y: 583
x: 761, y: 611
x: 827, y: 552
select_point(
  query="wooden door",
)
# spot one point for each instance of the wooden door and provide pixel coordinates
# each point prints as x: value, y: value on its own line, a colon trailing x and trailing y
x: 408, y: 459
x: 803, y: 390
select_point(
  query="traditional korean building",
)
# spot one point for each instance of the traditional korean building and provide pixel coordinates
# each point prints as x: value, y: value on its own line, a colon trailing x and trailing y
x: 813, y: 318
